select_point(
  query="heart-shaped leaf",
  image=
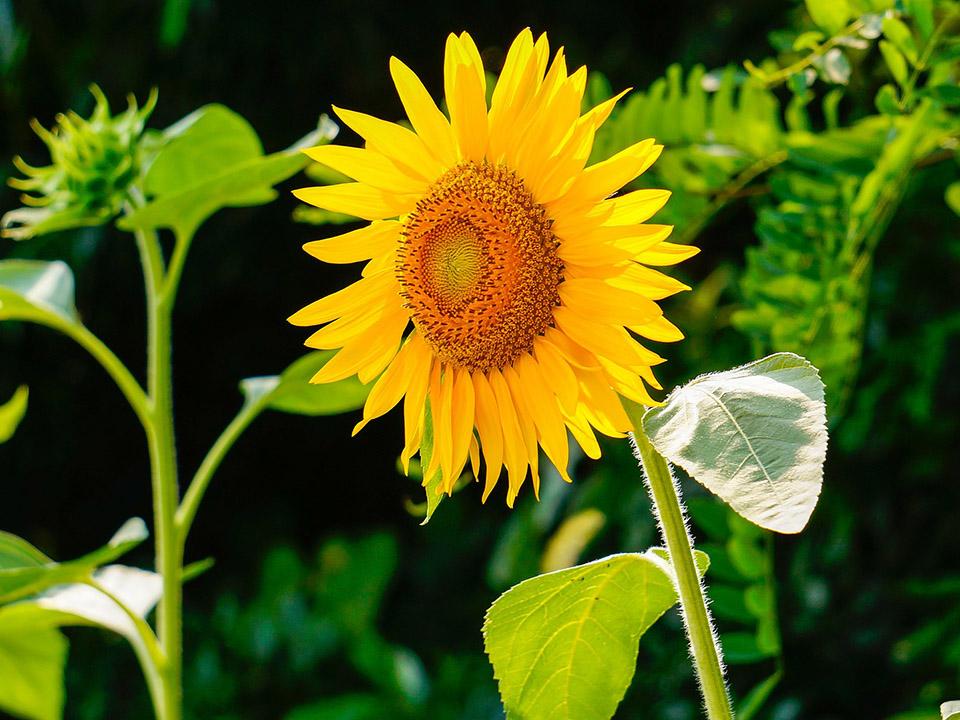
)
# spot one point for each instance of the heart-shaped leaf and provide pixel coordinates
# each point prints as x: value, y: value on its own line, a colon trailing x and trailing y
x: 564, y: 645
x: 755, y: 436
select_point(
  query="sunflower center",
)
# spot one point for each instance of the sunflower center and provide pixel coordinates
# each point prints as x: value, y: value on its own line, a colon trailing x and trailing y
x: 478, y: 267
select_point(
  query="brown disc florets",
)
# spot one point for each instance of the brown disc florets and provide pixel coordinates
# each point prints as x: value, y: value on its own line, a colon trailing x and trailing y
x: 478, y: 267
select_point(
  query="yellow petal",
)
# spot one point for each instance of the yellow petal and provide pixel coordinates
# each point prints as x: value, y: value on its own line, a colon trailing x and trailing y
x: 597, y: 301
x: 376, y: 290
x: 637, y: 206
x: 609, y: 341
x: 667, y: 254
x: 604, y: 178
x: 402, y: 146
x: 652, y: 283
x: 413, y: 406
x: 465, y: 99
x: 367, y: 167
x: 368, y: 242
x: 661, y: 330
x: 583, y: 434
x: 367, y: 354
x: 528, y: 430
x: 463, y: 415
x: 356, y: 199
x: 514, y: 447
x: 557, y: 373
x: 431, y: 124
x: 542, y: 403
x: 488, y: 427
x: 395, y: 381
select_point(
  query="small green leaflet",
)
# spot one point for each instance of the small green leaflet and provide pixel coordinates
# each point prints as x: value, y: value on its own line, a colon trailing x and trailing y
x: 12, y: 412
x: 755, y: 436
x: 564, y: 645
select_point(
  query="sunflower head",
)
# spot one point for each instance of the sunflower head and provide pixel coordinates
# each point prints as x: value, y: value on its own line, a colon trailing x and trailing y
x: 507, y: 284
x: 93, y: 163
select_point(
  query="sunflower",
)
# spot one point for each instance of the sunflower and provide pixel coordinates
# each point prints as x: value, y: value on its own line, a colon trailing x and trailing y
x: 505, y: 282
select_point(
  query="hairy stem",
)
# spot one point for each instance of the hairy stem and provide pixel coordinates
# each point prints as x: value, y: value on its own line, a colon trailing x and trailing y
x: 693, y: 606
x: 163, y: 463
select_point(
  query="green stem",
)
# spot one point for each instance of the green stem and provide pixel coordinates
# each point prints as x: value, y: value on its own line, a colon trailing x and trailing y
x: 163, y: 462
x: 693, y: 606
x: 201, y: 480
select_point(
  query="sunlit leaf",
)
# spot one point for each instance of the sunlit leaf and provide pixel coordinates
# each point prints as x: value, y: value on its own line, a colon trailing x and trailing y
x: 831, y: 15
x: 32, y: 649
x: 896, y: 63
x: 12, y: 412
x: 31, y: 671
x: 213, y: 159
x: 29, y: 288
x: 564, y: 644
x: 950, y: 710
x: 755, y: 436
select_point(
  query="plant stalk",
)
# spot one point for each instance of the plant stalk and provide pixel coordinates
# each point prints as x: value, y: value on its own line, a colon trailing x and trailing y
x: 693, y: 606
x: 163, y: 463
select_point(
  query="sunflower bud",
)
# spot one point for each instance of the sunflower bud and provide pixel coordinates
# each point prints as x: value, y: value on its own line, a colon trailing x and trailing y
x: 94, y: 162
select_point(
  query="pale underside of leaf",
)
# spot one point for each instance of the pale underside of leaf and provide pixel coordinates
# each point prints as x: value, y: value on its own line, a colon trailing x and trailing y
x: 755, y: 436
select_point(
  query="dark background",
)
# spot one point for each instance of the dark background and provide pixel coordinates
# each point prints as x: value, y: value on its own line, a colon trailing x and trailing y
x: 78, y: 467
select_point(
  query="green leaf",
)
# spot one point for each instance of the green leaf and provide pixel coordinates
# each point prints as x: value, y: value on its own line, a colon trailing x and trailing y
x: 12, y: 412
x: 755, y: 436
x: 922, y: 13
x: 213, y: 159
x: 887, y: 101
x: 564, y: 644
x: 24, y: 570
x: 292, y: 392
x: 33, y: 651
x: 895, y: 62
x: 952, y: 197
x: 31, y: 671
x: 899, y: 34
x: 29, y: 288
x: 830, y: 15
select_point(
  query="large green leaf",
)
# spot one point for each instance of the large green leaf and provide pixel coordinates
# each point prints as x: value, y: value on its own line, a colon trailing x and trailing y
x: 755, y: 436
x: 292, y: 392
x: 29, y: 288
x: 32, y: 649
x: 564, y: 644
x: 24, y: 570
x: 213, y: 159
x: 31, y: 671
x: 12, y: 412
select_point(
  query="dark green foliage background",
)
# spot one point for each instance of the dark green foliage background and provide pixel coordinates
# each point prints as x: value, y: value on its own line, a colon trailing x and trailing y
x: 327, y: 596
